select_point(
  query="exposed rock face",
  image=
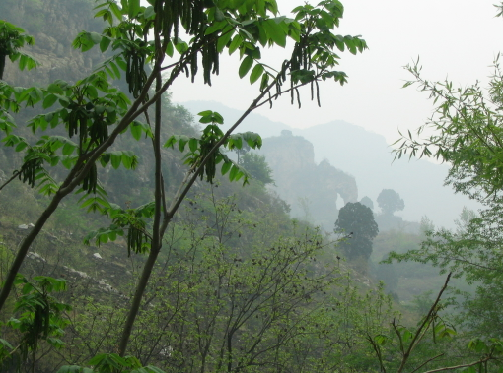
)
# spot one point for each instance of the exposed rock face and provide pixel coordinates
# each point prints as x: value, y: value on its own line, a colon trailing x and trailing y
x: 311, y: 189
x: 54, y: 24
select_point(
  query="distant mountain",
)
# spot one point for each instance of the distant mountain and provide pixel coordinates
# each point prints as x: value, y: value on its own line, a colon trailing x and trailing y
x: 367, y: 157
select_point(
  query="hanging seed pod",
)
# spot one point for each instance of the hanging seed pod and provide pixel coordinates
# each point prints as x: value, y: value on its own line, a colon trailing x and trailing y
x: 90, y: 182
x: 29, y: 170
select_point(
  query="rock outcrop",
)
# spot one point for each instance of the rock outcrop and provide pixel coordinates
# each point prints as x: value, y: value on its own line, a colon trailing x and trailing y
x: 54, y: 24
x: 311, y: 189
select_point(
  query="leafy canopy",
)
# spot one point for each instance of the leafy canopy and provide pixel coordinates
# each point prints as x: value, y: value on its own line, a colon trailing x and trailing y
x: 357, y: 222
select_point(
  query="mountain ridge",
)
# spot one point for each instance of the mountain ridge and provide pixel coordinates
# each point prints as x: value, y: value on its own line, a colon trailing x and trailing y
x: 366, y: 156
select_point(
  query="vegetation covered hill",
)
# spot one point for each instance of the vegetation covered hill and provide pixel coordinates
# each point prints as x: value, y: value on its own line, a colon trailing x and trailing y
x: 183, y: 269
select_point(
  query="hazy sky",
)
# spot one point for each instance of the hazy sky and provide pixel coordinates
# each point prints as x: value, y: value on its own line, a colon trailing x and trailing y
x: 457, y: 39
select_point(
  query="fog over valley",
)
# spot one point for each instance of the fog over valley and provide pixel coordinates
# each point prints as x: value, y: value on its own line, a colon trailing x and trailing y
x: 369, y: 159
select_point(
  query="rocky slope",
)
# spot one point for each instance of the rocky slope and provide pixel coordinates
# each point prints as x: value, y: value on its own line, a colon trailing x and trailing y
x: 54, y: 24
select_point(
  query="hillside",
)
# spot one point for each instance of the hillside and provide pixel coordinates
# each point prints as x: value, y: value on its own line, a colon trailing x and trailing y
x: 138, y: 246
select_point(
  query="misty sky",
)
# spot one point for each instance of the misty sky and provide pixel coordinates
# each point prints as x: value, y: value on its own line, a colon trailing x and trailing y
x: 457, y: 39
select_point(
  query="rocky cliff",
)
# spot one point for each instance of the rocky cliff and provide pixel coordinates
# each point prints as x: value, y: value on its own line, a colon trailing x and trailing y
x: 311, y: 189
x: 54, y: 24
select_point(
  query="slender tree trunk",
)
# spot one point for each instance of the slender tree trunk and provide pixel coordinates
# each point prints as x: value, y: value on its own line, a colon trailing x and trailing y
x: 25, y: 246
x: 2, y: 65
x: 156, y: 236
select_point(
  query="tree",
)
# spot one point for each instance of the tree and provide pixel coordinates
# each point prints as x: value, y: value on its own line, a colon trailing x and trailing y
x: 217, y: 305
x: 258, y: 168
x: 366, y: 201
x: 97, y: 114
x: 467, y: 132
x: 357, y: 222
x: 390, y: 202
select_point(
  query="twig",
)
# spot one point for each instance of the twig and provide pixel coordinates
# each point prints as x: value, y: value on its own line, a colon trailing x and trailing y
x: 427, y: 361
x: 378, y: 352
x: 16, y: 174
x: 399, y: 336
x: 460, y: 366
x: 420, y: 329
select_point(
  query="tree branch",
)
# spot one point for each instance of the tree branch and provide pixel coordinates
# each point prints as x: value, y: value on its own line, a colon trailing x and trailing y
x: 427, y: 361
x: 425, y: 321
x: 16, y: 174
x: 460, y: 366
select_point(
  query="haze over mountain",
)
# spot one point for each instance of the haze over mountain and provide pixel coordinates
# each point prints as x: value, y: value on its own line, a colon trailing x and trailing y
x: 367, y: 157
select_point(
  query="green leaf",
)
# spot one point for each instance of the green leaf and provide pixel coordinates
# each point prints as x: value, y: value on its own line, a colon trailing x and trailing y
x: 182, y: 140
x: 275, y: 32
x: 257, y: 71
x: 49, y: 100
x: 193, y: 144
x: 136, y: 130
x: 115, y: 10
x: 171, y: 142
x: 234, y: 172
x: 22, y: 63
x: 224, y: 39
x: 127, y: 160
x: 68, y: 162
x: 115, y: 70
x: 115, y: 159
x: 55, y: 88
x: 21, y: 146
x: 236, y: 42
x: 68, y: 148
x: 226, y: 167
x: 217, y: 118
x: 205, y: 113
x: 170, y: 50
x: 181, y: 46
x: 206, y: 119
x: 245, y: 66
x: 219, y: 15
x: 264, y: 82
x: 149, y: 12
x: 134, y: 8
x: 95, y: 37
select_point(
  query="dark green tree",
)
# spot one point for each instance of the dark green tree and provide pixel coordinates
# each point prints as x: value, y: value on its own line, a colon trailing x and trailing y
x: 357, y: 222
x: 390, y: 202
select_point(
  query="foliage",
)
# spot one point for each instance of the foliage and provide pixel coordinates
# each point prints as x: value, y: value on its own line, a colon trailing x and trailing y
x: 390, y: 202
x: 280, y: 304
x: 467, y: 128
x: 258, y: 168
x: 81, y: 122
x: 357, y: 222
x: 466, y: 131
x: 40, y: 319
x: 13, y: 38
